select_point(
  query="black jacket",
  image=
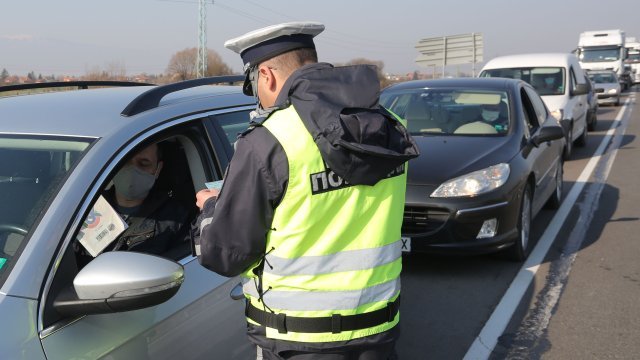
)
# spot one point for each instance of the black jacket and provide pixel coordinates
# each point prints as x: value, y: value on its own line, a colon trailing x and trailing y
x: 357, y: 139
x: 160, y: 227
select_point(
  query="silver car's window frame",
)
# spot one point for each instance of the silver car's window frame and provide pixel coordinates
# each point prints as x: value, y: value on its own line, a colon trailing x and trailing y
x: 88, y: 201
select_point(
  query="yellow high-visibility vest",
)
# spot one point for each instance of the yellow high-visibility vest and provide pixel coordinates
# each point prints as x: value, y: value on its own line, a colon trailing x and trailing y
x: 333, y: 248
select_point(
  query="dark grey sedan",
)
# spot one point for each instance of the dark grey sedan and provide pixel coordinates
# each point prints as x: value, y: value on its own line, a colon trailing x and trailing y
x: 58, y: 154
x: 491, y: 157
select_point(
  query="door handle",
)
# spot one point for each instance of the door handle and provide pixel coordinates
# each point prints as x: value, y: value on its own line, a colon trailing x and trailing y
x: 237, y: 293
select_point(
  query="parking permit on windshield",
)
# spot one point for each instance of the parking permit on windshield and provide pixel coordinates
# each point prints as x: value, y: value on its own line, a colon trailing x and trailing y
x: 214, y: 184
x: 406, y: 243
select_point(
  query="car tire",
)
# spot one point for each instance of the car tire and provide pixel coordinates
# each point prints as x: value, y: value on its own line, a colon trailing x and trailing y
x: 591, y: 126
x: 556, y: 197
x: 581, y: 141
x: 568, y: 146
x: 522, y: 245
x: 618, y: 101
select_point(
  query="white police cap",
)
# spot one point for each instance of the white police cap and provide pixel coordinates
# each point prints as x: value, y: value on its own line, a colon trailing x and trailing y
x: 259, y: 45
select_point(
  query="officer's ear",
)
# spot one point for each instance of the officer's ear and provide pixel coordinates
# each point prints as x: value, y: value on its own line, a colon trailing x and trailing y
x: 267, y: 77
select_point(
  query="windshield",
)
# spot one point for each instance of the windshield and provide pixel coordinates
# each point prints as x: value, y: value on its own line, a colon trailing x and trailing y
x: 31, y: 171
x: 600, y: 54
x: 546, y: 80
x: 456, y: 112
x: 604, y: 78
x: 634, y: 57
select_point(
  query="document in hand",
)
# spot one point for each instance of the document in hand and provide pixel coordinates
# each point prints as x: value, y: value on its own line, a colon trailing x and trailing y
x: 101, y: 227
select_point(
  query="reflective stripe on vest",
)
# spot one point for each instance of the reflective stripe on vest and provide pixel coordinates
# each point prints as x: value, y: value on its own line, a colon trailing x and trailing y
x: 331, y: 249
x: 327, y: 300
x: 349, y: 260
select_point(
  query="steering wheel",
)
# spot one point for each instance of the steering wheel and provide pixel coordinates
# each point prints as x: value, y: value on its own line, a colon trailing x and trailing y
x: 13, y: 228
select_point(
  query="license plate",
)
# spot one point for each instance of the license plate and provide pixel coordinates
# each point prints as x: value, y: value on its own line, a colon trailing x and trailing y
x: 406, y: 243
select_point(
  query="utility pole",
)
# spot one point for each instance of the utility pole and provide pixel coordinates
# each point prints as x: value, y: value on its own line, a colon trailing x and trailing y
x: 201, y: 62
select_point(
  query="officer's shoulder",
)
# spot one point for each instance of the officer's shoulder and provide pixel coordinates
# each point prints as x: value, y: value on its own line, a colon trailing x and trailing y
x: 258, y: 137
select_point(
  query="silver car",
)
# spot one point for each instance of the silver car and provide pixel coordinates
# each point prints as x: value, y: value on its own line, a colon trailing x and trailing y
x: 607, y: 86
x: 58, y: 152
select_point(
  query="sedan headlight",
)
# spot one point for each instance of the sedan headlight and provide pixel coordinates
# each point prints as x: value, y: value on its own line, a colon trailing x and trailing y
x: 557, y: 114
x: 612, y: 91
x: 475, y: 183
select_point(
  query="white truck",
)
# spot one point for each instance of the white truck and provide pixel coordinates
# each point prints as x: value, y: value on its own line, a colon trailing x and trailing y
x: 605, y: 50
x: 633, y: 58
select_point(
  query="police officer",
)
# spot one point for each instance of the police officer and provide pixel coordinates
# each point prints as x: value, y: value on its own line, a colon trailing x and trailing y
x: 312, y: 202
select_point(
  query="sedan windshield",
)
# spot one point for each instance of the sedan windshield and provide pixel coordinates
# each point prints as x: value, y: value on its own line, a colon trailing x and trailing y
x: 459, y: 112
x: 546, y: 80
x: 603, y: 78
x: 31, y: 171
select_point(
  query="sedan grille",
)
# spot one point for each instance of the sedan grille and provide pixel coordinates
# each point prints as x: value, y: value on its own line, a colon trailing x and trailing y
x: 599, y: 90
x: 421, y: 220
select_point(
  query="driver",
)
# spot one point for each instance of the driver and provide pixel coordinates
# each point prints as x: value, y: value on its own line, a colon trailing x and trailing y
x: 495, y: 115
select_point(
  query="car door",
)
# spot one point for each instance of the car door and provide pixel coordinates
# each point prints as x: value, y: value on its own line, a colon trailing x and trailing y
x: 578, y: 104
x: 199, y: 321
x: 542, y: 158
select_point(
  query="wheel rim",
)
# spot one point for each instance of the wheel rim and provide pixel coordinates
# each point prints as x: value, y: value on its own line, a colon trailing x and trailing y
x: 526, y: 221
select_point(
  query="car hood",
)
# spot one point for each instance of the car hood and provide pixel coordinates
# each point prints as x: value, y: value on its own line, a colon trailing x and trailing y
x: 445, y: 157
x: 607, y: 86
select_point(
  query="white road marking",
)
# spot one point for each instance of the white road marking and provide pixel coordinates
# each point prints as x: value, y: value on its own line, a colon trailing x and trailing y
x: 486, y: 341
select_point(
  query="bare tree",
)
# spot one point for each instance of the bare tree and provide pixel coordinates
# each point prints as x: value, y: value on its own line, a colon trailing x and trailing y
x: 182, y: 65
x: 114, y: 70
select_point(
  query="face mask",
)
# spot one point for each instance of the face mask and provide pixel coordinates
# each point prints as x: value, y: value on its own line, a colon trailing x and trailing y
x: 133, y: 183
x: 489, y: 115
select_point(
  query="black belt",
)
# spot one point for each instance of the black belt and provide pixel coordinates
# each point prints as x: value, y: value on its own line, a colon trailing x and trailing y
x: 334, y: 324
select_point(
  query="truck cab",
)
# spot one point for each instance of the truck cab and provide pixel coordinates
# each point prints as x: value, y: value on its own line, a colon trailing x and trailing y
x: 633, y: 58
x: 605, y: 50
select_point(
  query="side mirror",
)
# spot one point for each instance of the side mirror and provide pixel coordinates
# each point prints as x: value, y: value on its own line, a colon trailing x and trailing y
x: 580, y: 89
x: 120, y: 281
x: 547, y: 133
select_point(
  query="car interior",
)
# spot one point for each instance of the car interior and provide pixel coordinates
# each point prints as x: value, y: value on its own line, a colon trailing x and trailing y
x: 181, y: 165
x: 30, y: 171
x: 449, y: 113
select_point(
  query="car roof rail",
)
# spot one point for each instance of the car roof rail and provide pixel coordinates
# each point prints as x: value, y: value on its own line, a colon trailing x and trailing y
x: 150, y: 99
x: 81, y: 84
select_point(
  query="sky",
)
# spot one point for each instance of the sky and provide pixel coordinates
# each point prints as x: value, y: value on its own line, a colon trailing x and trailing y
x: 73, y: 37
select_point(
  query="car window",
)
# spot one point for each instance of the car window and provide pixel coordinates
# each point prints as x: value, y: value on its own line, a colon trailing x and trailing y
x: 573, y: 79
x: 538, y: 105
x: 530, y: 117
x: 458, y: 112
x: 31, y: 172
x: 546, y: 80
x: 233, y: 123
x: 148, y: 203
x: 158, y: 224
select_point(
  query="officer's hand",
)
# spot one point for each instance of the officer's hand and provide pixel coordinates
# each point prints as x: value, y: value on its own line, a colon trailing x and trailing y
x: 203, y: 195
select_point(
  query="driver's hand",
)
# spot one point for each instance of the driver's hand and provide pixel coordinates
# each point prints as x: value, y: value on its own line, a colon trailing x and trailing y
x: 203, y: 195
